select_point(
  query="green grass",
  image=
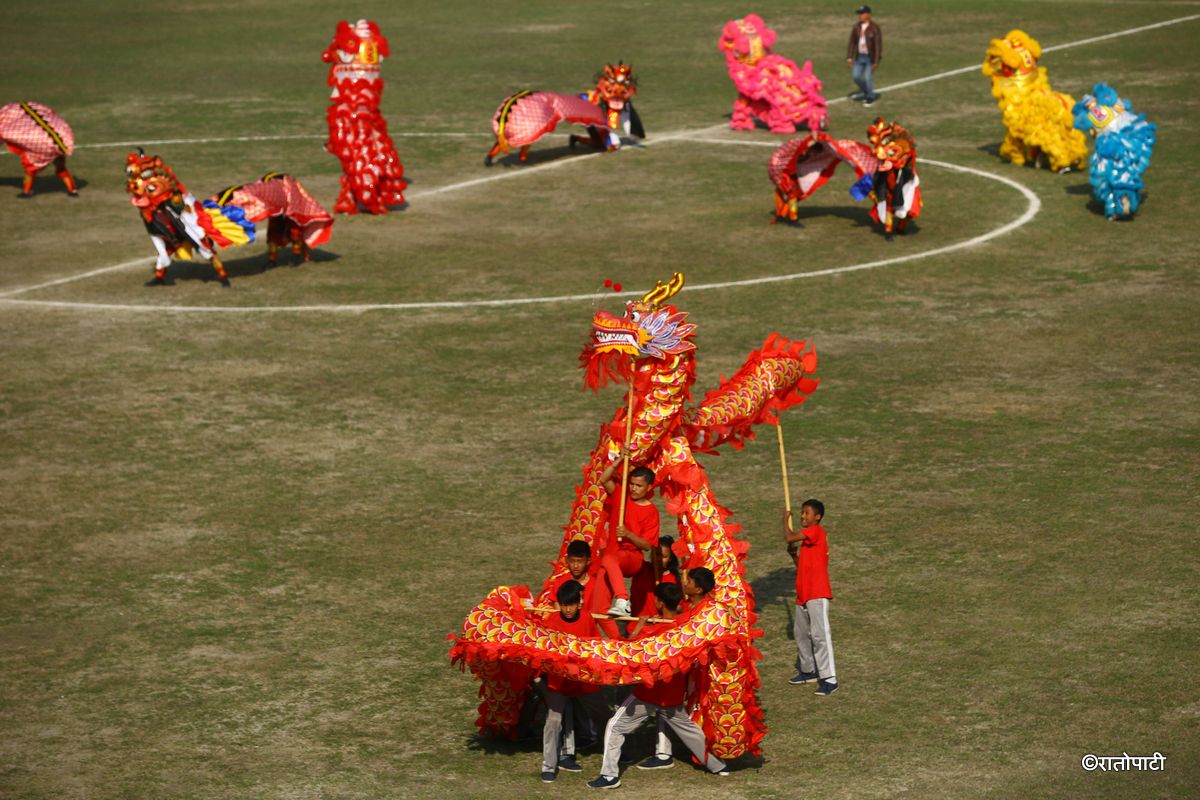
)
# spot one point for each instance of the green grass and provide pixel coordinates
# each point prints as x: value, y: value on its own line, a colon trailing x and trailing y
x: 231, y: 545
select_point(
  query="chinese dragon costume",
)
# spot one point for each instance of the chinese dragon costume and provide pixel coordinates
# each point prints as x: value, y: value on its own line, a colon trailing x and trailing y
x: 651, y: 348
x: 770, y: 88
x: 1124, y: 142
x: 527, y: 116
x: 39, y: 137
x: 294, y: 219
x: 1037, y: 120
x: 178, y: 224
x: 372, y: 175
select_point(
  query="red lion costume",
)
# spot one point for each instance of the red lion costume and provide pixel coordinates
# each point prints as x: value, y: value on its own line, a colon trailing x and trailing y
x: 38, y: 137
x: 373, y: 176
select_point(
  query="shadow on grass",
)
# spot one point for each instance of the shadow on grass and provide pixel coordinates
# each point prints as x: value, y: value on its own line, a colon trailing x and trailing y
x: 43, y: 184
x: 544, y: 155
x: 777, y: 588
x: 245, y: 267
x: 1094, y: 205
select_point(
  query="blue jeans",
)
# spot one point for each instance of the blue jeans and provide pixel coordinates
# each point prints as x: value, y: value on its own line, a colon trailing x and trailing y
x: 862, y: 76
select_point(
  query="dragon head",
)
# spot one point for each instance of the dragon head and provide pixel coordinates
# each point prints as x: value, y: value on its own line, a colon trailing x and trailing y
x: 149, y: 181
x: 1097, y: 111
x: 648, y: 329
x: 893, y: 145
x: 746, y: 40
x: 616, y: 85
x: 1016, y: 54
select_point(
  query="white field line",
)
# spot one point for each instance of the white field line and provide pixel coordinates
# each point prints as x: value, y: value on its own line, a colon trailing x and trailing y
x: 696, y: 134
x: 1031, y: 210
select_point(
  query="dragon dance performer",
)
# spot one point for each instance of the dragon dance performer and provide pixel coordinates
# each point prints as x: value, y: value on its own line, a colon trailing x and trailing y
x: 1124, y: 143
x: 799, y: 167
x: 38, y: 136
x: 294, y: 218
x: 527, y: 116
x: 504, y: 641
x: 178, y: 224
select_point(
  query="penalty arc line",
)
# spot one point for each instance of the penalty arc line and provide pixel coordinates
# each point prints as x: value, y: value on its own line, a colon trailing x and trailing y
x: 1034, y: 205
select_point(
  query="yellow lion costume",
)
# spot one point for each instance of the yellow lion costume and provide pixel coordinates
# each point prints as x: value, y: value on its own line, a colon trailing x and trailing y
x: 1037, y: 118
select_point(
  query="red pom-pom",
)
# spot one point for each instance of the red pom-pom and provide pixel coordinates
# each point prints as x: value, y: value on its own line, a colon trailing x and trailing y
x: 607, y: 283
x: 616, y: 287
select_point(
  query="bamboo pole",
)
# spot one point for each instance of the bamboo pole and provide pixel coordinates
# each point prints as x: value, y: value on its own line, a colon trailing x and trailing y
x: 597, y: 615
x: 787, y: 495
x: 625, y: 465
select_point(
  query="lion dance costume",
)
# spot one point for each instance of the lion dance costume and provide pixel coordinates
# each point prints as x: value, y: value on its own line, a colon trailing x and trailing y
x: 1037, y: 119
x: 527, y: 116
x: 1124, y: 142
x: 38, y: 136
x: 372, y: 175
x: 895, y: 188
x: 178, y: 225
x: 652, y: 348
x: 294, y: 218
x: 770, y: 88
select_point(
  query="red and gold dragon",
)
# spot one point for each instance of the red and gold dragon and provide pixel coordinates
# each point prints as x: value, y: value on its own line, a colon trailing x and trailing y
x: 607, y: 109
x: 652, y: 348
x: 372, y: 175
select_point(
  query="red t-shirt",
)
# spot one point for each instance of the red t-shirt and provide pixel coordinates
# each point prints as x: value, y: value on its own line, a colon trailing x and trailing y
x: 583, y: 626
x: 589, y: 589
x: 648, y: 610
x: 812, y: 568
x: 663, y: 693
x: 641, y: 519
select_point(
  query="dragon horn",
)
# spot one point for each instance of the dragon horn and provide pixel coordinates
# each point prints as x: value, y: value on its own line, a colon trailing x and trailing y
x: 661, y: 293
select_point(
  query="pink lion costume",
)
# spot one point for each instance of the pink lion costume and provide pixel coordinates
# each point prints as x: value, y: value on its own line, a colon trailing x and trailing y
x: 39, y: 137
x: 770, y: 88
x: 373, y: 176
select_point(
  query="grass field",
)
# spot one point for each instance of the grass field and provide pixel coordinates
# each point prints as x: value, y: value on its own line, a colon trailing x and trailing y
x: 232, y: 540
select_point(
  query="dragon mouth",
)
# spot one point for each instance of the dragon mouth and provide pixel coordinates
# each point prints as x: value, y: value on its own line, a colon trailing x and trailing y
x: 607, y: 340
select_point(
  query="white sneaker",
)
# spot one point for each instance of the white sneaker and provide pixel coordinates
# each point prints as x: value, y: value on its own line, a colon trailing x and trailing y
x: 620, y: 608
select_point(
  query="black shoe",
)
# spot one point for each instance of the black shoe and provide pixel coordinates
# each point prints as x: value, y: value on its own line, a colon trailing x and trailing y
x: 487, y: 161
x: 25, y: 195
x: 870, y: 101
x: 155, y: 281
x: 72, y: 194
x: 548, y: 777
x: 657, y: 762
x: 225, y: 283
x: 803, y: 677
x: 569, y: 764
x: 604, y: 783
x: 826, y: 688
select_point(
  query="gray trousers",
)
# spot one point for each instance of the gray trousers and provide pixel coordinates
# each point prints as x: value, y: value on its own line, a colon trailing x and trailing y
x: 558, y: 734
x: 632, y: 712
x: 814, y: 643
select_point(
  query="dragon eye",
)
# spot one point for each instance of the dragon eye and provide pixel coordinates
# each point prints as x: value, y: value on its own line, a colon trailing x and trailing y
x: 147, y: 173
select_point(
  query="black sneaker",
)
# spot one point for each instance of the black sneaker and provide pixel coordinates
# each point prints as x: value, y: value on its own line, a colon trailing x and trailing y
x: 856, y: 95
x: 548, y: 777
x: 569, y: 764
x: 826, y: 688
x: 657, y: 762
x: 803, y: 677
x: 870, y: 101
x: 604, y: 783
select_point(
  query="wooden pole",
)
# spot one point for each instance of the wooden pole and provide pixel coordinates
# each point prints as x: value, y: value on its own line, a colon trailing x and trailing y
x: 787, y: 495
x: 625, y: 465
x: 597, y: 615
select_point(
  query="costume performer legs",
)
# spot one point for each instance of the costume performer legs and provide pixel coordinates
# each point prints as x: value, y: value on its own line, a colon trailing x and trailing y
x: 39, y: 137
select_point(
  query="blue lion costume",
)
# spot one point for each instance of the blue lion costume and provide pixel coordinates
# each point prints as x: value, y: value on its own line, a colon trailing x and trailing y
x: 1124, y: 142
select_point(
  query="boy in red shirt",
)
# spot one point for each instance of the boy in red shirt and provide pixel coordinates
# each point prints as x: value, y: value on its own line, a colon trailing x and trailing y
x: 814, y: 642
x: 596, y: 595
x: 627, y: 544
x: 558, y: 735
x: 666, y: 698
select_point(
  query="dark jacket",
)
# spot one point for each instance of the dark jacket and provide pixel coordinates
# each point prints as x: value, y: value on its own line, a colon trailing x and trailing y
x: 874, y: 42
